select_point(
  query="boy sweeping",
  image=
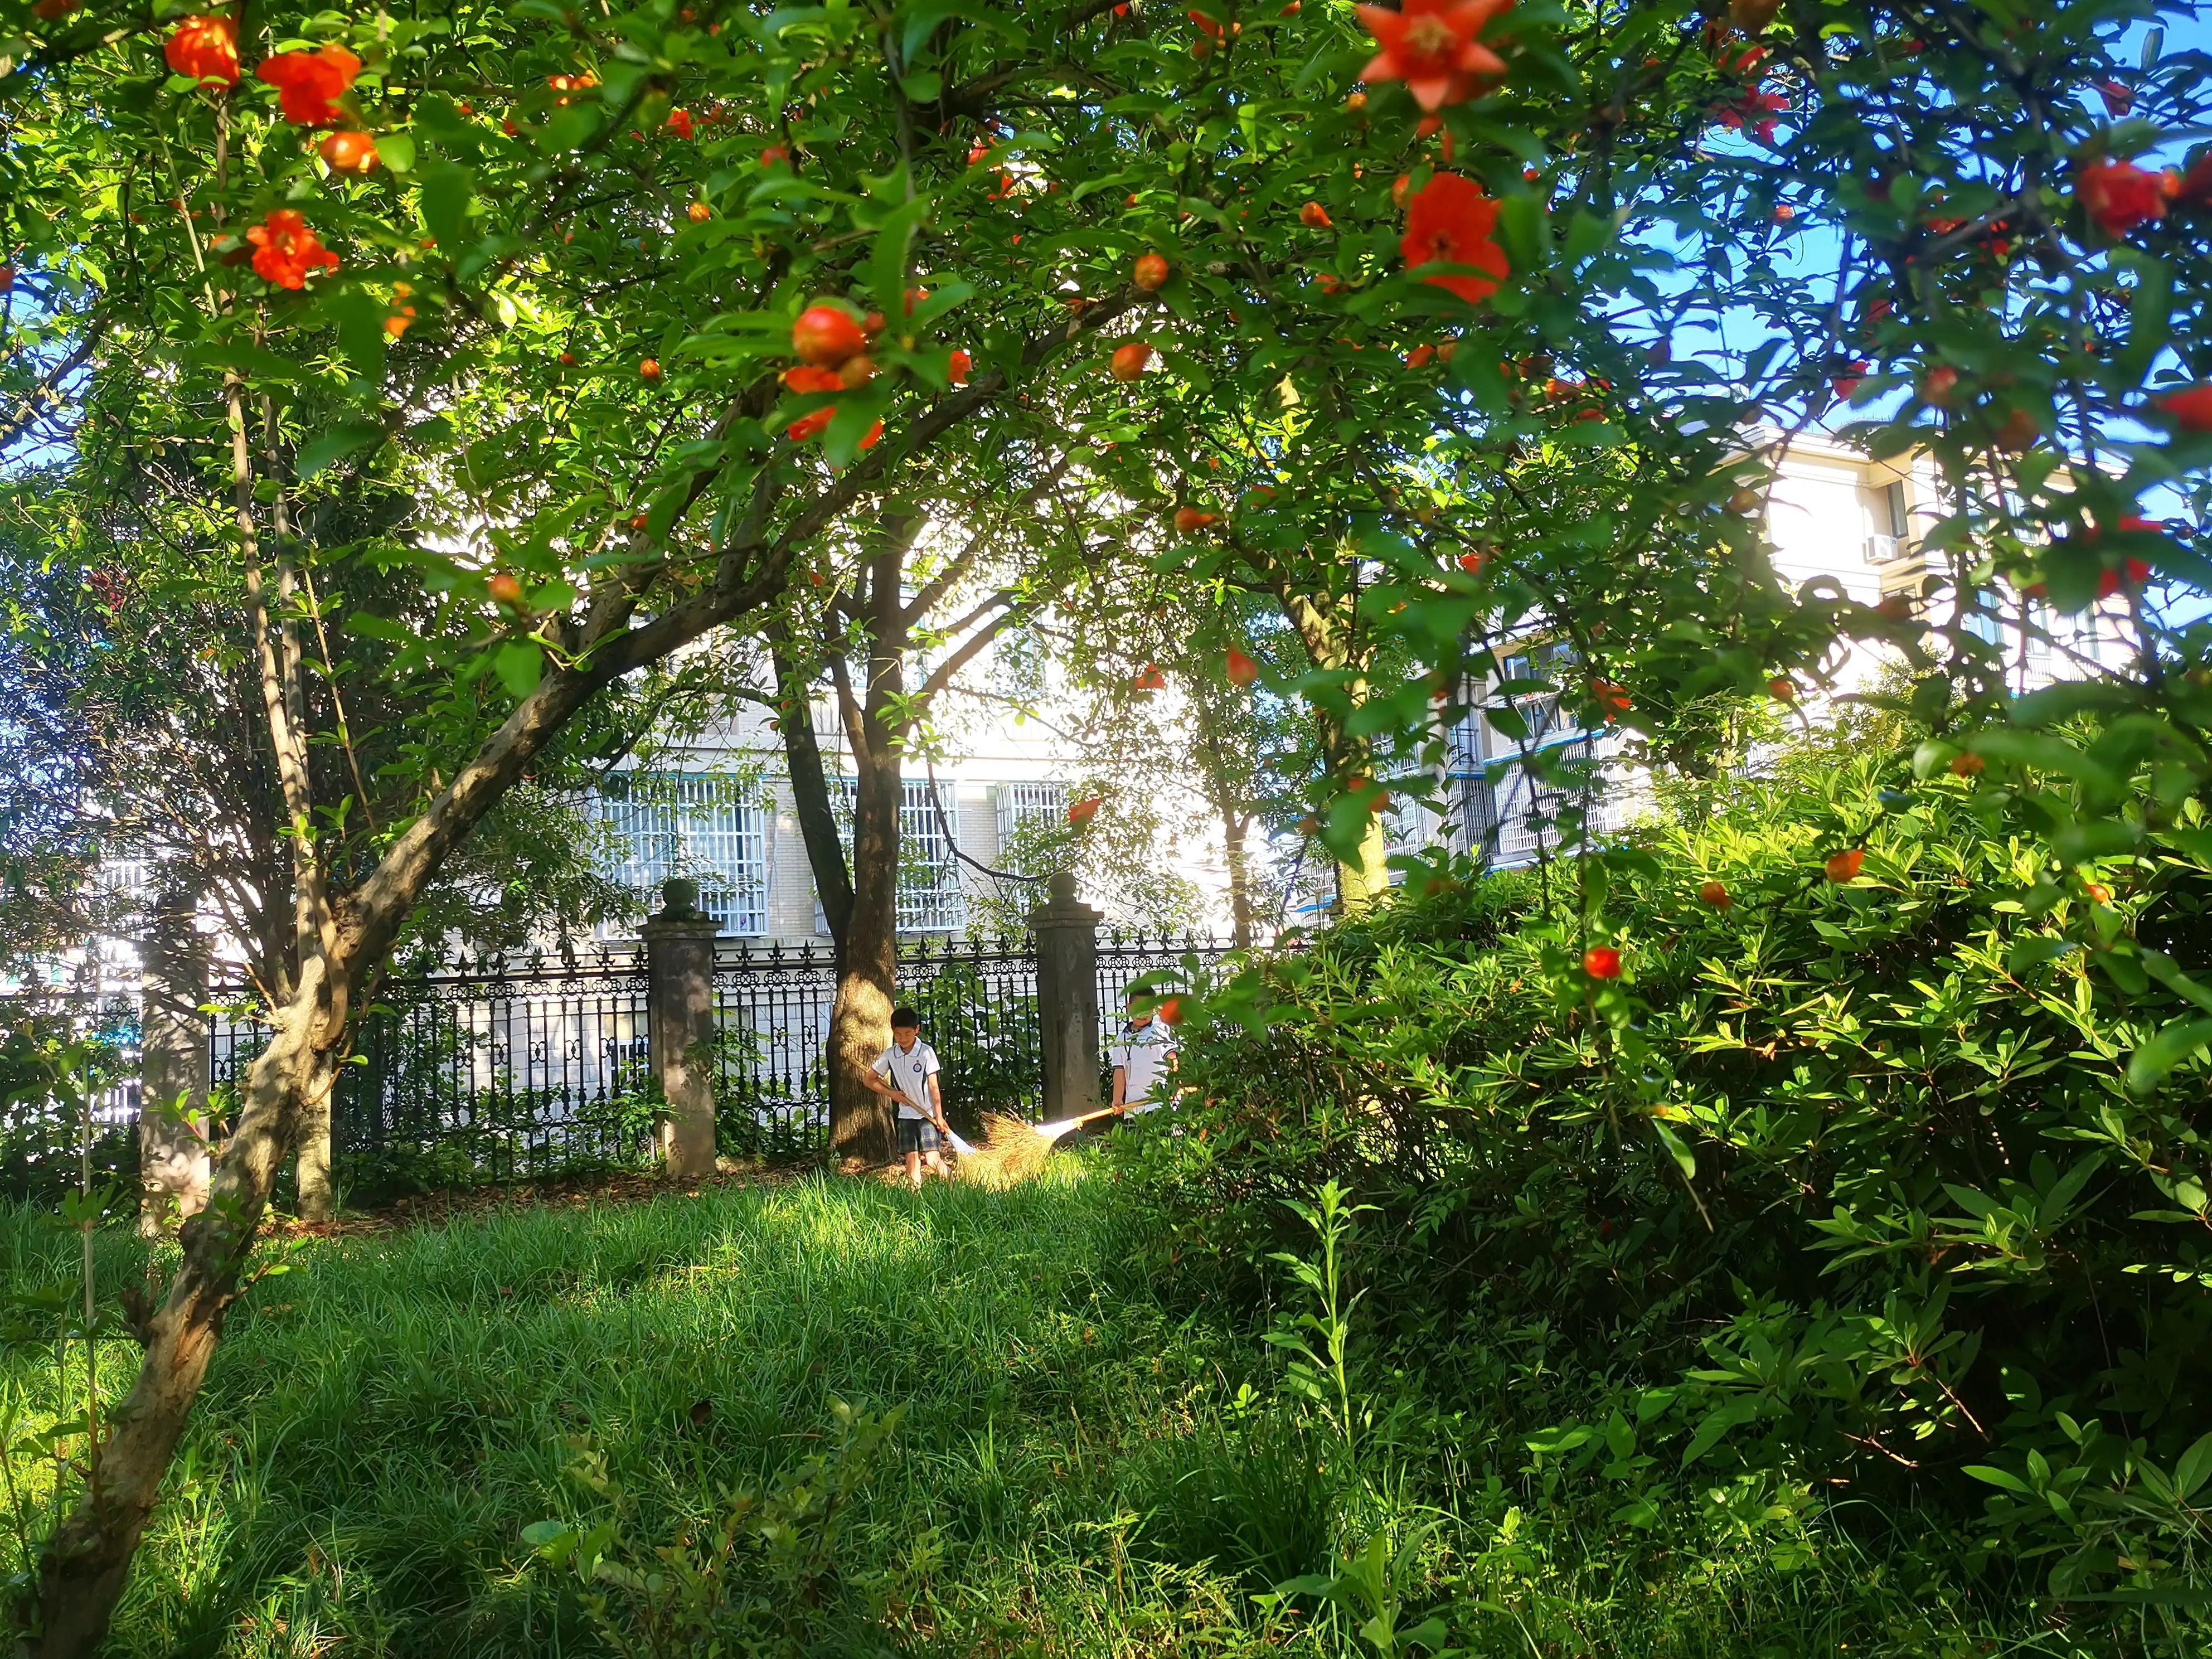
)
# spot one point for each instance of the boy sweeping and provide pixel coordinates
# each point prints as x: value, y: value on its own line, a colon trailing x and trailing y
x: 907, y: 1072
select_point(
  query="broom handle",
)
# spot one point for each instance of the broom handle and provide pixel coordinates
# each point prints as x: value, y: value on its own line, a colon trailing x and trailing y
x: 1075, y: 1123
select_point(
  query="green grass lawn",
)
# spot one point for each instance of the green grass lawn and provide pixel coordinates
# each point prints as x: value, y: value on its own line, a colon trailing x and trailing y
x: 1074, y: 1474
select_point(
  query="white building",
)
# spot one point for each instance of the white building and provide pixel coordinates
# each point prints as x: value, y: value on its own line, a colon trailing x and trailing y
x: 721, y: 810
x: 1833, y: 515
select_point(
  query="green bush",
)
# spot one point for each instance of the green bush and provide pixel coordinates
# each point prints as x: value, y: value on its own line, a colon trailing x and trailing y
x: 46, y: 1139
x: 1843, y: 1190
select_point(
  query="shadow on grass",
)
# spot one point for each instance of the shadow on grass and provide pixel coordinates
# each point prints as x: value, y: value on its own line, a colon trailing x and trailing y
x: 383, y: 1420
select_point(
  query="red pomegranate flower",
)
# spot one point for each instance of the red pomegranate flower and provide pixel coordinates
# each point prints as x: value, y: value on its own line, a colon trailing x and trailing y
x: 1450, y: 223
x: 1612, y: 698
x: 2195, y: 189
x: 680, y: 123
x: 309, y: 83
x: 2119, y: 195
x: 285, y: 249
x: 960, y: 369
x: 1756, y: 110
x: 1430, y: 46
x: 205, y: 48
x: 811, y: 426
x: 2192, y: 408
x: 1602, y: 962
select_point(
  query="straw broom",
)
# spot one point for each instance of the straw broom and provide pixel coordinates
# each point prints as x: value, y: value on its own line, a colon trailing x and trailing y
x: 1015, y: 1149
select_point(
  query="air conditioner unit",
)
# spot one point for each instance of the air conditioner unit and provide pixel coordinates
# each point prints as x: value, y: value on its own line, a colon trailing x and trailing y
x: 1881, y: 550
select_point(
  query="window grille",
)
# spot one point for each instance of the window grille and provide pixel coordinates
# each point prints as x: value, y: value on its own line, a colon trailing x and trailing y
x: 1405, y: 830
x: 1021, y: 804
x: 129, y: 878
x: 688, y: 824
x: 1541, y: 709
x: 1510, y: 821
x: 930, y: 899
x: 1980, y: 616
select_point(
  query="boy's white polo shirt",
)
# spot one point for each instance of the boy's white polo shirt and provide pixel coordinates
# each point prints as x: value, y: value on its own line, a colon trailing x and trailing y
x: 908, y: 1071
x: 1144, y: 1054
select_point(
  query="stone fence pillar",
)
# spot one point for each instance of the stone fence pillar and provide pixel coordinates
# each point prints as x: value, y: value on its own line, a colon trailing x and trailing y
x: 679, y: 969
x: 1067, y: 998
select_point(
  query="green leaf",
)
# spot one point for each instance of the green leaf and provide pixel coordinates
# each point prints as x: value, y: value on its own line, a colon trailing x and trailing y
x: 347, y: 438
x: 2033, y: 951
x: 1717, y: 1423
x: 1521, y: 225
x: 447, y: 190
x: 1684, y: 1159
x: 2195, y: 1465
x: 396, y: 151
x: 1997, y: 1477
x: 887, y: 258
x: 359, y: 316
x: 2167, y: 1050
x: 2098, y: 838
x: 518, y: 663
x: 249, y: 362
x: 2045, y: 753
x: 2169, y: 972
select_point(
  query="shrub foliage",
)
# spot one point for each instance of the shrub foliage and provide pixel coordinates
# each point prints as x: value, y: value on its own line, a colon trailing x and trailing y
x: 1842, y: 1187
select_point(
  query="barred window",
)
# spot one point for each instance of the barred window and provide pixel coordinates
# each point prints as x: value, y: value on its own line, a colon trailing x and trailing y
x: 1022, y: 805
x: 930, y: 899
x: 1541, y: 709
x: 712, y: 829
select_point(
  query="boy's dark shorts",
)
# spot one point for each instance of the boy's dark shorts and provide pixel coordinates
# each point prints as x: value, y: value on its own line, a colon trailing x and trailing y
x: 917, y: 1135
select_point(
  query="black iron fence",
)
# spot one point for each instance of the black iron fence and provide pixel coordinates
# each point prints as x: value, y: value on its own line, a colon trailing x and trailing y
x: 501, y: 1070
x: 977, y: 1000
x: 497, y: 1071
x: 1162, y: 965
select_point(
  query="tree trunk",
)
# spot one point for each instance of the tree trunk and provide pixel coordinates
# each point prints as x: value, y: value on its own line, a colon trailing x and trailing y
x: 1329, y: 630
x: 859, y: 1018
x: 810, y: 797
x: 1222, y: 794
x: 1235, y: 826
x: 82, y: 1569
x: 877, y: 719
x: 172, y: 1148
x: 1364, y: 880
x: 318, y: 1197
x: 861, y: 1022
